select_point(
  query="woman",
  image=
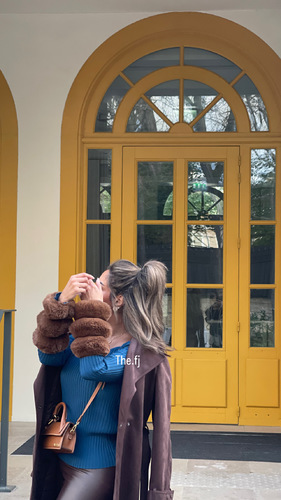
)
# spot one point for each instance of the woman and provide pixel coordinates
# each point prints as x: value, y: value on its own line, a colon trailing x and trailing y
x: 112, y: 452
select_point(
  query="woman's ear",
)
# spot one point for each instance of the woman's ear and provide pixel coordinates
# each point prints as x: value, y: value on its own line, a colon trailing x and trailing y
x: 119, y: 300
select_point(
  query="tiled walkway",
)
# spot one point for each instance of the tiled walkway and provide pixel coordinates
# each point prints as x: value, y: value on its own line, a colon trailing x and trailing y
x: 191, y: 479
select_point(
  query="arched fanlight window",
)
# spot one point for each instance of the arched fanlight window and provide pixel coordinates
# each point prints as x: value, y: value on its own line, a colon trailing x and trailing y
x: 182, y: 100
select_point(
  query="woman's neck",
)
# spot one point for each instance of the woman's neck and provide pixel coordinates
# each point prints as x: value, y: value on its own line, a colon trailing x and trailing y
x: 118, y: 327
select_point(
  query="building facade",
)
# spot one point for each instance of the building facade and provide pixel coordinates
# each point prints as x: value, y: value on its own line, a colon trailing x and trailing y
x: 145, y: 137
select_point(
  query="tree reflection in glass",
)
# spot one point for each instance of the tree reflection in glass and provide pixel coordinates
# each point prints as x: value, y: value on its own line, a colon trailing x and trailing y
x: 99, y: 184
x: 167, y: 316
x: 144, y: 119
x: 155, y: 190
x: 220, y: 118
x: 262, y: 318
x: 166, y: 97
x: 254, y: 104
x: 110, y: 103
x: 263, y: 166
x: 205, y: 190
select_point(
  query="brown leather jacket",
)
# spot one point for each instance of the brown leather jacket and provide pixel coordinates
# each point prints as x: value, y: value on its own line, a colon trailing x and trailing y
x: 146, y: 386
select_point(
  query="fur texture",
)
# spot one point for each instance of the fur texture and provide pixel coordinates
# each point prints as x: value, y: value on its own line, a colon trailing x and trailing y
x: 50, y: 345
x: 86, y: 327
x: 57, y: 310
x: 51, y: 327
x: 89, y: 346
x: 92, y: 309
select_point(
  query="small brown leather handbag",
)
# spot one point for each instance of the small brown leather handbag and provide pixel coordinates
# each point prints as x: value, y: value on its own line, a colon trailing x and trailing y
x: 60, y: 435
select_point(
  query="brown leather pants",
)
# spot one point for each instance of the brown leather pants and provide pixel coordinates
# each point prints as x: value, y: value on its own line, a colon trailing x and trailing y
x: 86, y: 484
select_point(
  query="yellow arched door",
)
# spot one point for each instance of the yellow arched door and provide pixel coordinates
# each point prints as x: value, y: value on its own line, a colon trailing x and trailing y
x: 170, y: 150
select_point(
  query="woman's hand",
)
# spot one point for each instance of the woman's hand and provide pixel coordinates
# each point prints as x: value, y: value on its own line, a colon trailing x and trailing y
x: 93, y: 292
x: 78, y: 284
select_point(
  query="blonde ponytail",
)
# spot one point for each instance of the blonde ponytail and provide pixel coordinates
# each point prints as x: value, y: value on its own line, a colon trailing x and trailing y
x: 142, y: 290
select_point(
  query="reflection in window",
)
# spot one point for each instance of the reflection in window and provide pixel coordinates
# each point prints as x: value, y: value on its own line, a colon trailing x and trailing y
x: 168, y: 207
x: 152, y: 62
x: 254, y: 104
x: 205, y: 190
x: 197, y: 96
x: 155, y: 183
x: 98, y: 248
x: 212, y: 62
x: 219, y: 119
x: 205, y: 254
x: 262, y: 254
x: 263, y: 164
x: 155, y: 242
x: 166, y: 97
x: 110, y: 104
x: 204, y: 318
x: 144, y: 119
x: 167, y: 316
x: 99, y: 184
x: 262, y: 318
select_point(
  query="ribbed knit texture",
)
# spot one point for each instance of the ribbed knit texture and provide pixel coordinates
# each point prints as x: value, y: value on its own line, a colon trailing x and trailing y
x: 96, y: 434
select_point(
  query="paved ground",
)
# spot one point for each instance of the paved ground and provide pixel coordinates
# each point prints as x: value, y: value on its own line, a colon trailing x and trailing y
x: 191, y: 479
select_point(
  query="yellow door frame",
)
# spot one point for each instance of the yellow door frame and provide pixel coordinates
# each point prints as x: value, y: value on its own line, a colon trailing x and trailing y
x: 8, y: 209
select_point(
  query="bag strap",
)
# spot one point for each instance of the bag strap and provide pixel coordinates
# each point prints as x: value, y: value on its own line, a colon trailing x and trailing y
x: 99, y: 386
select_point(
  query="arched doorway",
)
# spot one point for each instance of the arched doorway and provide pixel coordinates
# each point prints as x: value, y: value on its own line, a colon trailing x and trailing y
x: 170, y: 150
x: 8, y: 203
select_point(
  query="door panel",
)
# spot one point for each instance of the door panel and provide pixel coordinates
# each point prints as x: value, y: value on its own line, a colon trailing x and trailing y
x: 180, y: 205
x: 259, y: 289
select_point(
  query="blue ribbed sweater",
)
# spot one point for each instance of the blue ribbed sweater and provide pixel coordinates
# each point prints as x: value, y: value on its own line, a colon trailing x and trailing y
x: 96, y: 435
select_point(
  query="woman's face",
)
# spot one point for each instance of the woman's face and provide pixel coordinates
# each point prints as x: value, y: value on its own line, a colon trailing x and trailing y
x: 106, y: 291
x: 105, y: 287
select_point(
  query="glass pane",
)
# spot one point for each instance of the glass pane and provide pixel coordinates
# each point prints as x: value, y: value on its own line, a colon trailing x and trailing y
x: 99, y: 184
x: 197, y: 96
x: 166, y: 97
x: 167, y: 314
x: 98, y: 248
x: 262, y: 255
x: 155, y: 185
x: 263, y: 164
x: 219, y: 119
x: 212, y: 62
x: 155, y: 242
x: 204, y: 317
x: 205, y: 254
x: 254, y: 104
x: 144, y: 119
x: 152, y: 62
x: 262, y: 318
x: 205, y: 190
x: 110, y: 103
